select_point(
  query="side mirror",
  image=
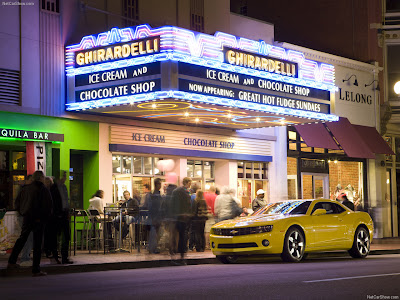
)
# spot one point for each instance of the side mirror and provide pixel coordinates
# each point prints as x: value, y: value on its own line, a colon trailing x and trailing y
x: 319, y: 212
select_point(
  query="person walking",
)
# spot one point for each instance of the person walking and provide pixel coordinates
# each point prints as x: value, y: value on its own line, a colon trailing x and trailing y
x: 26, y: 251
x: 193, y: 189
x: 36, y: 210
x: 154, y: 205
x: 200, y: 213
x: 259, y: 201
x: 62, y: 217
x: 226, y: 206
x: 181, y: 209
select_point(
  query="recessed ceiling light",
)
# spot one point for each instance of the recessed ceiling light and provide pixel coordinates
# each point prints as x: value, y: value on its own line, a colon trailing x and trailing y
x: 186, y: 114
x: 154, y: 105
x: 197, y: 120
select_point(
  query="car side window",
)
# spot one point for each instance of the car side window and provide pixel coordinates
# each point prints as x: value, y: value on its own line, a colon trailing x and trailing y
x: 329, y: 207
x: 338, y: 208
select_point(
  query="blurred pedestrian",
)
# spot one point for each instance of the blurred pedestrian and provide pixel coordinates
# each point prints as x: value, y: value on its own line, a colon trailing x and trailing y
x: 200, y: 213
x: 259, y: 201
x: 36, y: 210
x: 26, y: 251
x: 155, y: 205
x: 59, y: 193
x: 226, y: 206
x: 181, y: 210
x: 193, y: 189
x: 210, y: 196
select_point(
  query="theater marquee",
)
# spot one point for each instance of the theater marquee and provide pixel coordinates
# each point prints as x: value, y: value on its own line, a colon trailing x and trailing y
x: 175, y: 75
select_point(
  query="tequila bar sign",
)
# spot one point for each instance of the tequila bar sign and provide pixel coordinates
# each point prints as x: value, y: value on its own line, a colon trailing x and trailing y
x: 31, y: 135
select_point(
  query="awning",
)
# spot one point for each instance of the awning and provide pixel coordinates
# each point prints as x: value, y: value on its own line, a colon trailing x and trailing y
x: 316, y: 135
x: 374, y: 140
x: 356, y: 141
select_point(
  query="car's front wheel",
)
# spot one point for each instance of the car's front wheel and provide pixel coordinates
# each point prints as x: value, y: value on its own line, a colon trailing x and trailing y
x: 361, y: 243
x: 294, y: 245
x: 227, y: 259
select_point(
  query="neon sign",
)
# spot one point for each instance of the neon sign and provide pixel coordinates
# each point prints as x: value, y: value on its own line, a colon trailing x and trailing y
x: 186, y: 45
x: 123, y: 66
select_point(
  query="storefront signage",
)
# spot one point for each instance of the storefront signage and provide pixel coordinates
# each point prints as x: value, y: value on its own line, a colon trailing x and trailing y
x: 262, y: 63
x: 40, y: 156
x: 154, y: 138
x: 250, y: 66
x: 249, y: 96
x: 118, y: 74
x: 176, y: 139
x: 207, y: 143
x: 314, y: 166
x: 118, y: 51
x: 31, y: 135
x: 119, y: 90
x: 355, y: 97
x: 251, y: 81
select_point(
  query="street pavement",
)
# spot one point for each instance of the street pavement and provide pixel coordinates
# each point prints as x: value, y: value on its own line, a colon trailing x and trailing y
x: 375, y: 277
x: 97, y: 261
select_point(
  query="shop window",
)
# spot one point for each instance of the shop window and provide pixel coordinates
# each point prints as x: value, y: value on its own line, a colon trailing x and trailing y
x: 208, y: 169
x: 201, y: 172
x: 346, y: 177
x: 252, y: 176
x: 148, y: 166
x: 137, y: 165
x: 240, y: 169
x: 126, y: 164
x: 116, y: 164
x: 18, y: 160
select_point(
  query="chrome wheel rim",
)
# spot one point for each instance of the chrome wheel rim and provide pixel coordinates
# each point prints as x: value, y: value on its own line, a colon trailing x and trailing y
x: 296, y: 244
x: 363, y: 242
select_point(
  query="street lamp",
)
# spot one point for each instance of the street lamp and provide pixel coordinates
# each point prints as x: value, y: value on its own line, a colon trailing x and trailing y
x: 397, y: 88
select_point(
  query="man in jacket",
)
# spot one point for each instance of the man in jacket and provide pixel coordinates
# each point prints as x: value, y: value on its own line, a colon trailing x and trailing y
x: 182, y: 212
x: 36, y: 212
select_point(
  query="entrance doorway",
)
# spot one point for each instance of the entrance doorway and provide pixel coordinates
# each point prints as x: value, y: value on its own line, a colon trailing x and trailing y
x: 314, y: 185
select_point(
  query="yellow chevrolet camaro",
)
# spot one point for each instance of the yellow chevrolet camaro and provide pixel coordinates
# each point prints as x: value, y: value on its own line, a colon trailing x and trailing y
x: 292, y: 229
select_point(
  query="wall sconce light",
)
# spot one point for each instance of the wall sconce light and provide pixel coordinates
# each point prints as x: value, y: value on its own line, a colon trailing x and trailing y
x: 355, y: 80
x: 377, y: 86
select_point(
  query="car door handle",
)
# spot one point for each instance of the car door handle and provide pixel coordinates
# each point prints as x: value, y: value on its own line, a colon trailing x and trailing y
x: 340, y: 220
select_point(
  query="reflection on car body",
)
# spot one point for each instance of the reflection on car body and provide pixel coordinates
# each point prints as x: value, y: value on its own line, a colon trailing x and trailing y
x: 292, y: 229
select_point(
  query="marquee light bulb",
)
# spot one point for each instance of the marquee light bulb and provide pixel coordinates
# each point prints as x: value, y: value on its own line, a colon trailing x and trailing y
x: 197, y: 120
x: 186, y: 114
x: 154, y: 105
x: 258, y: 119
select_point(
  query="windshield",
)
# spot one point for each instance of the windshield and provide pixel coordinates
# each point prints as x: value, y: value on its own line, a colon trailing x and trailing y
x: 295, y: 207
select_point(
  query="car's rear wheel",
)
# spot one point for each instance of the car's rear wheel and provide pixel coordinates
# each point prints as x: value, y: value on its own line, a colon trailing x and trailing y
x: 227, y: 259
x: 361, y: 243
x: 294, y: 245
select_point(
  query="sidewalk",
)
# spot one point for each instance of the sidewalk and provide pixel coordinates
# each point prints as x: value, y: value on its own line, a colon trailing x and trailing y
x: 85, y: 262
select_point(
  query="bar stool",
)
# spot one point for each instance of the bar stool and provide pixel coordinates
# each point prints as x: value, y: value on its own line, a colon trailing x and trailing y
x: 80, y: 223
x: 94, y: 233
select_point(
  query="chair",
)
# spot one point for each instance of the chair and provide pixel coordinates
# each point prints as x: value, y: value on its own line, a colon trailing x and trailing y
x: 80, y: 226
x: 94, y: 233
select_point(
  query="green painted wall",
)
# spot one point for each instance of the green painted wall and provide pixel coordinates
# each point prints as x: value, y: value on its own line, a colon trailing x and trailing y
x: 78, y: 135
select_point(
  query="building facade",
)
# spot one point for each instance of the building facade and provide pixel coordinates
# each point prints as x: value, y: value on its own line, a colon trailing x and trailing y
x: 132, y: 83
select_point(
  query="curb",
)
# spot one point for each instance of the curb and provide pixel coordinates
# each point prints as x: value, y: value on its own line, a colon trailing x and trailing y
x: 79, y: 268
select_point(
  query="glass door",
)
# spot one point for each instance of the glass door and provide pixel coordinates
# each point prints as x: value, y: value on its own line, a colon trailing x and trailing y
x: 315, y: 185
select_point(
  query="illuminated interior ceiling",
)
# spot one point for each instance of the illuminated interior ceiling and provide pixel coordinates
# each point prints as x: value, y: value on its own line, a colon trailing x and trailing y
x: 186, y: 112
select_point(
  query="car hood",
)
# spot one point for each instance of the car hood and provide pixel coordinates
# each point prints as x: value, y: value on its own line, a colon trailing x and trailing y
x: 251, y: 220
